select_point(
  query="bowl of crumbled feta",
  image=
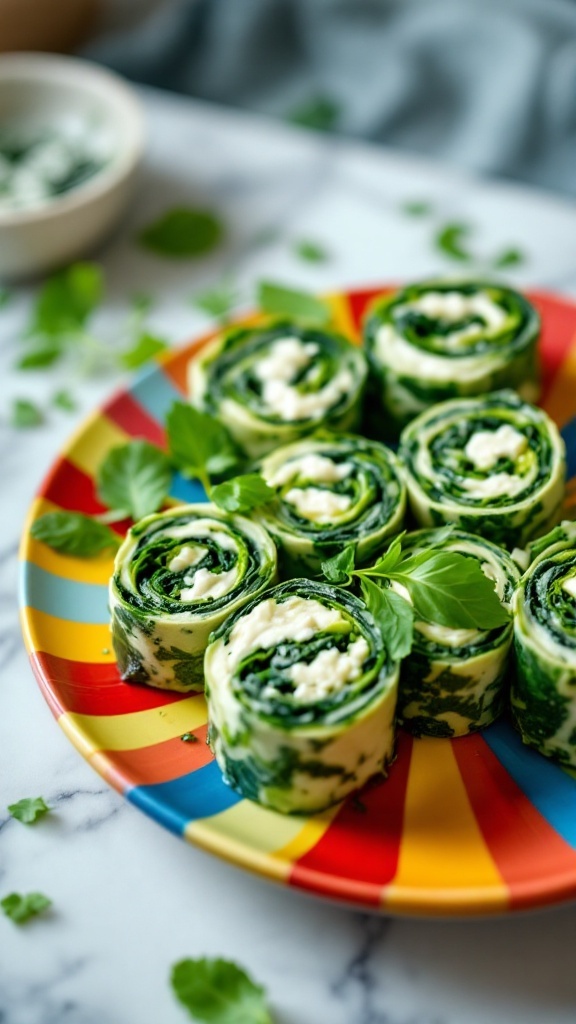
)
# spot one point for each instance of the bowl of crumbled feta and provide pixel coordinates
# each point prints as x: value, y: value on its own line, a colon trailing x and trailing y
x: 71, y: 140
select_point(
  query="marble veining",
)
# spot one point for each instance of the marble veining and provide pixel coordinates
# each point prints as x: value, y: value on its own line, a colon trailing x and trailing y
x: 129, y: 899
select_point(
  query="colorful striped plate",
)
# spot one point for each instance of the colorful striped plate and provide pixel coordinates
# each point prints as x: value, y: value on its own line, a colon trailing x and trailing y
x: 471, y: 826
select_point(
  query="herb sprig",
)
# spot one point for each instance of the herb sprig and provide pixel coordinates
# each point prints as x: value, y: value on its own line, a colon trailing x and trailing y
x: 29, y: 809
x: 20, y: 908
x: 442, y: 587
x: 219, y: 992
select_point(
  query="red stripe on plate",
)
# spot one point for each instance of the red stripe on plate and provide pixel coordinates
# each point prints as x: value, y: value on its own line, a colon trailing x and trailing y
x: 528, y: 852
x: 362, y: 844
x: 74, y: 490
x: 84, y: 688
x: 161, y: 762
x: 127, y: 414
x: 359, y: 302
x: 558, y: 331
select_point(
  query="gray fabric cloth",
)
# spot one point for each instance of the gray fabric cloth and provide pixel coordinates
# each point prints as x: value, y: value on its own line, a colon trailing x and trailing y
x: 488, y: 84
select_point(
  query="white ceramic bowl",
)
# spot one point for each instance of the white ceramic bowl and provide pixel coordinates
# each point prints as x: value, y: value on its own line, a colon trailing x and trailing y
x: 49, y: 88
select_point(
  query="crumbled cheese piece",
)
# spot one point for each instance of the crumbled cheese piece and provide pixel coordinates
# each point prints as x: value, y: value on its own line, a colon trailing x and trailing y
x: 329, y: 671
x: 269, y: 623
x: 318, y: 468
x: 485, y: 447
x: 187, y: 557
x: 497, y: 486
x: 321, y: 506
x: 208, y: 584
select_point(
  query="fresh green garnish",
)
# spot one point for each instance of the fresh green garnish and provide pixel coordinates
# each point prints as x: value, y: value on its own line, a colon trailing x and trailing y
x: 277, y: 300
x: 73, y: 533
x: 183, y: 232
x: 5, y: 297
x: 444, y: 587
x: 509, y: 258
x: 451, y: 240
x: 218, y: 301
x: 25, y: 413
x: 189, y: 737
x: 200, y: 446
x: 320, y: 113
x: 63, y: 400
x: 29, y: 810
x: 417, y: 208
x: 134, y: 479
x: 242, y: 493
x: 21, y: 908
x: 310, y: 252
x: 219, y: 992
x: 143, y: 349
x: 60, y: 315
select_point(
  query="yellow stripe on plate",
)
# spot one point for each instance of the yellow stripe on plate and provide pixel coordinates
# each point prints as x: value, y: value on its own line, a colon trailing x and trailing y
x: 81, y: 570
x: 93, y: 733
x: 559, y: 402
x: 88, y: 448
x: 314, y: 829
x: 443, y: 856
x: 249, y: 835
x: 75, y: 641
x: 342, y: 316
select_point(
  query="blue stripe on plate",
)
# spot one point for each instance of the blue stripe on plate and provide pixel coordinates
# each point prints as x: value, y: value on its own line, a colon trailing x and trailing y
x: 174, y: 804
x: 155, y: 393
x: 67, y: 599
x: 550, y: 789
x: 188, y: 491
x: 569, y: 434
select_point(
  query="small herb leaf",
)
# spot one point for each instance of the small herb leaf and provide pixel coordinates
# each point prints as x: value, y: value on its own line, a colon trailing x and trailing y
x: 134, y: 478
x: 450, y: 589
x: 277, y: 300
x: 144, y: 348
x: 21, y: 908
x: 394, y: 616
x: 63, y: 400
x: 25, y: 413
x: 66, y: 300
x: 320, y: 113
x: 417, y: 208
x: 199, y: 444
x: 72, y: 533
x: 509, y: 258
x: 242, y: 493
x: 217, y: 302
x: 29, y: 810
x: 339, y: 568
x: 183, y: 232
x: 310, y: 252
x: 451, y: 240
x: 219, y: 992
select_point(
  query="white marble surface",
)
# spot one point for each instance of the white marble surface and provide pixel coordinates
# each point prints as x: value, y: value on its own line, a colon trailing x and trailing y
x: 129, y: 898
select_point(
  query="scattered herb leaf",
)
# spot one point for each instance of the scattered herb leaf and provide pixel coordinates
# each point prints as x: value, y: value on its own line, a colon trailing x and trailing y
x: 242, y: 493
x: 63, y: 400
x: 29, y: 810
x: 417, y: 208
x: 189, y: 737
x: 339, y: 568
x: 310, y: 252
x: 66, y: 300
x: 509, y: 258
x: 219, y: 992
x: 144, y: 348
x: 451, y: 239
x: 134, y: 479
x: 42, y: 353
x: 25, y: 413
x: 73, y: 533
x: 319, y: 113
x: 277, y: 300
x: 183, y: 232
x: 218, y: 301
x: 5, y: 297
x: 21, y: 908
x: 199, y: 444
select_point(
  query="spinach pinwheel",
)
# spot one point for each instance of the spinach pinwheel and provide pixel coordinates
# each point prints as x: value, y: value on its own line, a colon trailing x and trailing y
x: 177, y: 575
x: 301, y: 696
x: 331, y: 491
x: 493, y: 466
x: 273, y: 384
x: 436, y: 340
x: 544, y: 690
x: 454, y: 681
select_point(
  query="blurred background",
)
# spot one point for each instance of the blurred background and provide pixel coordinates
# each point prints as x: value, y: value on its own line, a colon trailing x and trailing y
x: 490, y: 85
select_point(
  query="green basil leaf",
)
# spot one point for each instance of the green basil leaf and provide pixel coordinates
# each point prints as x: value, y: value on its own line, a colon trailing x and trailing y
x: 451, y: 241
x: 389, y: 559
x: 509, y: 258
x: 310, y: 252
x: 134, y: 479
x: 394, y: 617
x: 219, y: 992
x: 242, y: 493
x: 144, y: 348
x: 66, y: 300
x: 340, y: 567
x: 199, y: 444
x: 450, y: 589
x: 72, y: 533
x: 64, y: 400
x: 21, y: 908
x: 43, y: 353
x: 29, y: 810
x: 217, y: 302
x: 183, y: 233
x: 25, y: 413
x: 320, y: 113
x: 277, y: 300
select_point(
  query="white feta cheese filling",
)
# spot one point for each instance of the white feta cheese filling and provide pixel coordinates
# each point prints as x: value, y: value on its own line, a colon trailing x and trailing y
x: 446, y: 636
x: 499, y: 485
x: 569, y: 585
x: 286, y: 358
x: 316, y: 504
x: 485, y: 447
x: 203, y: 528
x: 311, y: 467
x: 186, y: 558
x: 328, y: 672
x: 269, y: 624
x: 206, y: 584
x: 454, y: 306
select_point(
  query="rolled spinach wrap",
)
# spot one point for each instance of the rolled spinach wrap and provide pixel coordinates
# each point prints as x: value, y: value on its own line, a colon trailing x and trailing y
x: 177, y: 575
x: 331, y: 491
x: 273, y: 384
x: 301, y: 697
x: 436, y: 340
x: 456, y: 681
x: 543, y: 693
x: 493, y: 466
